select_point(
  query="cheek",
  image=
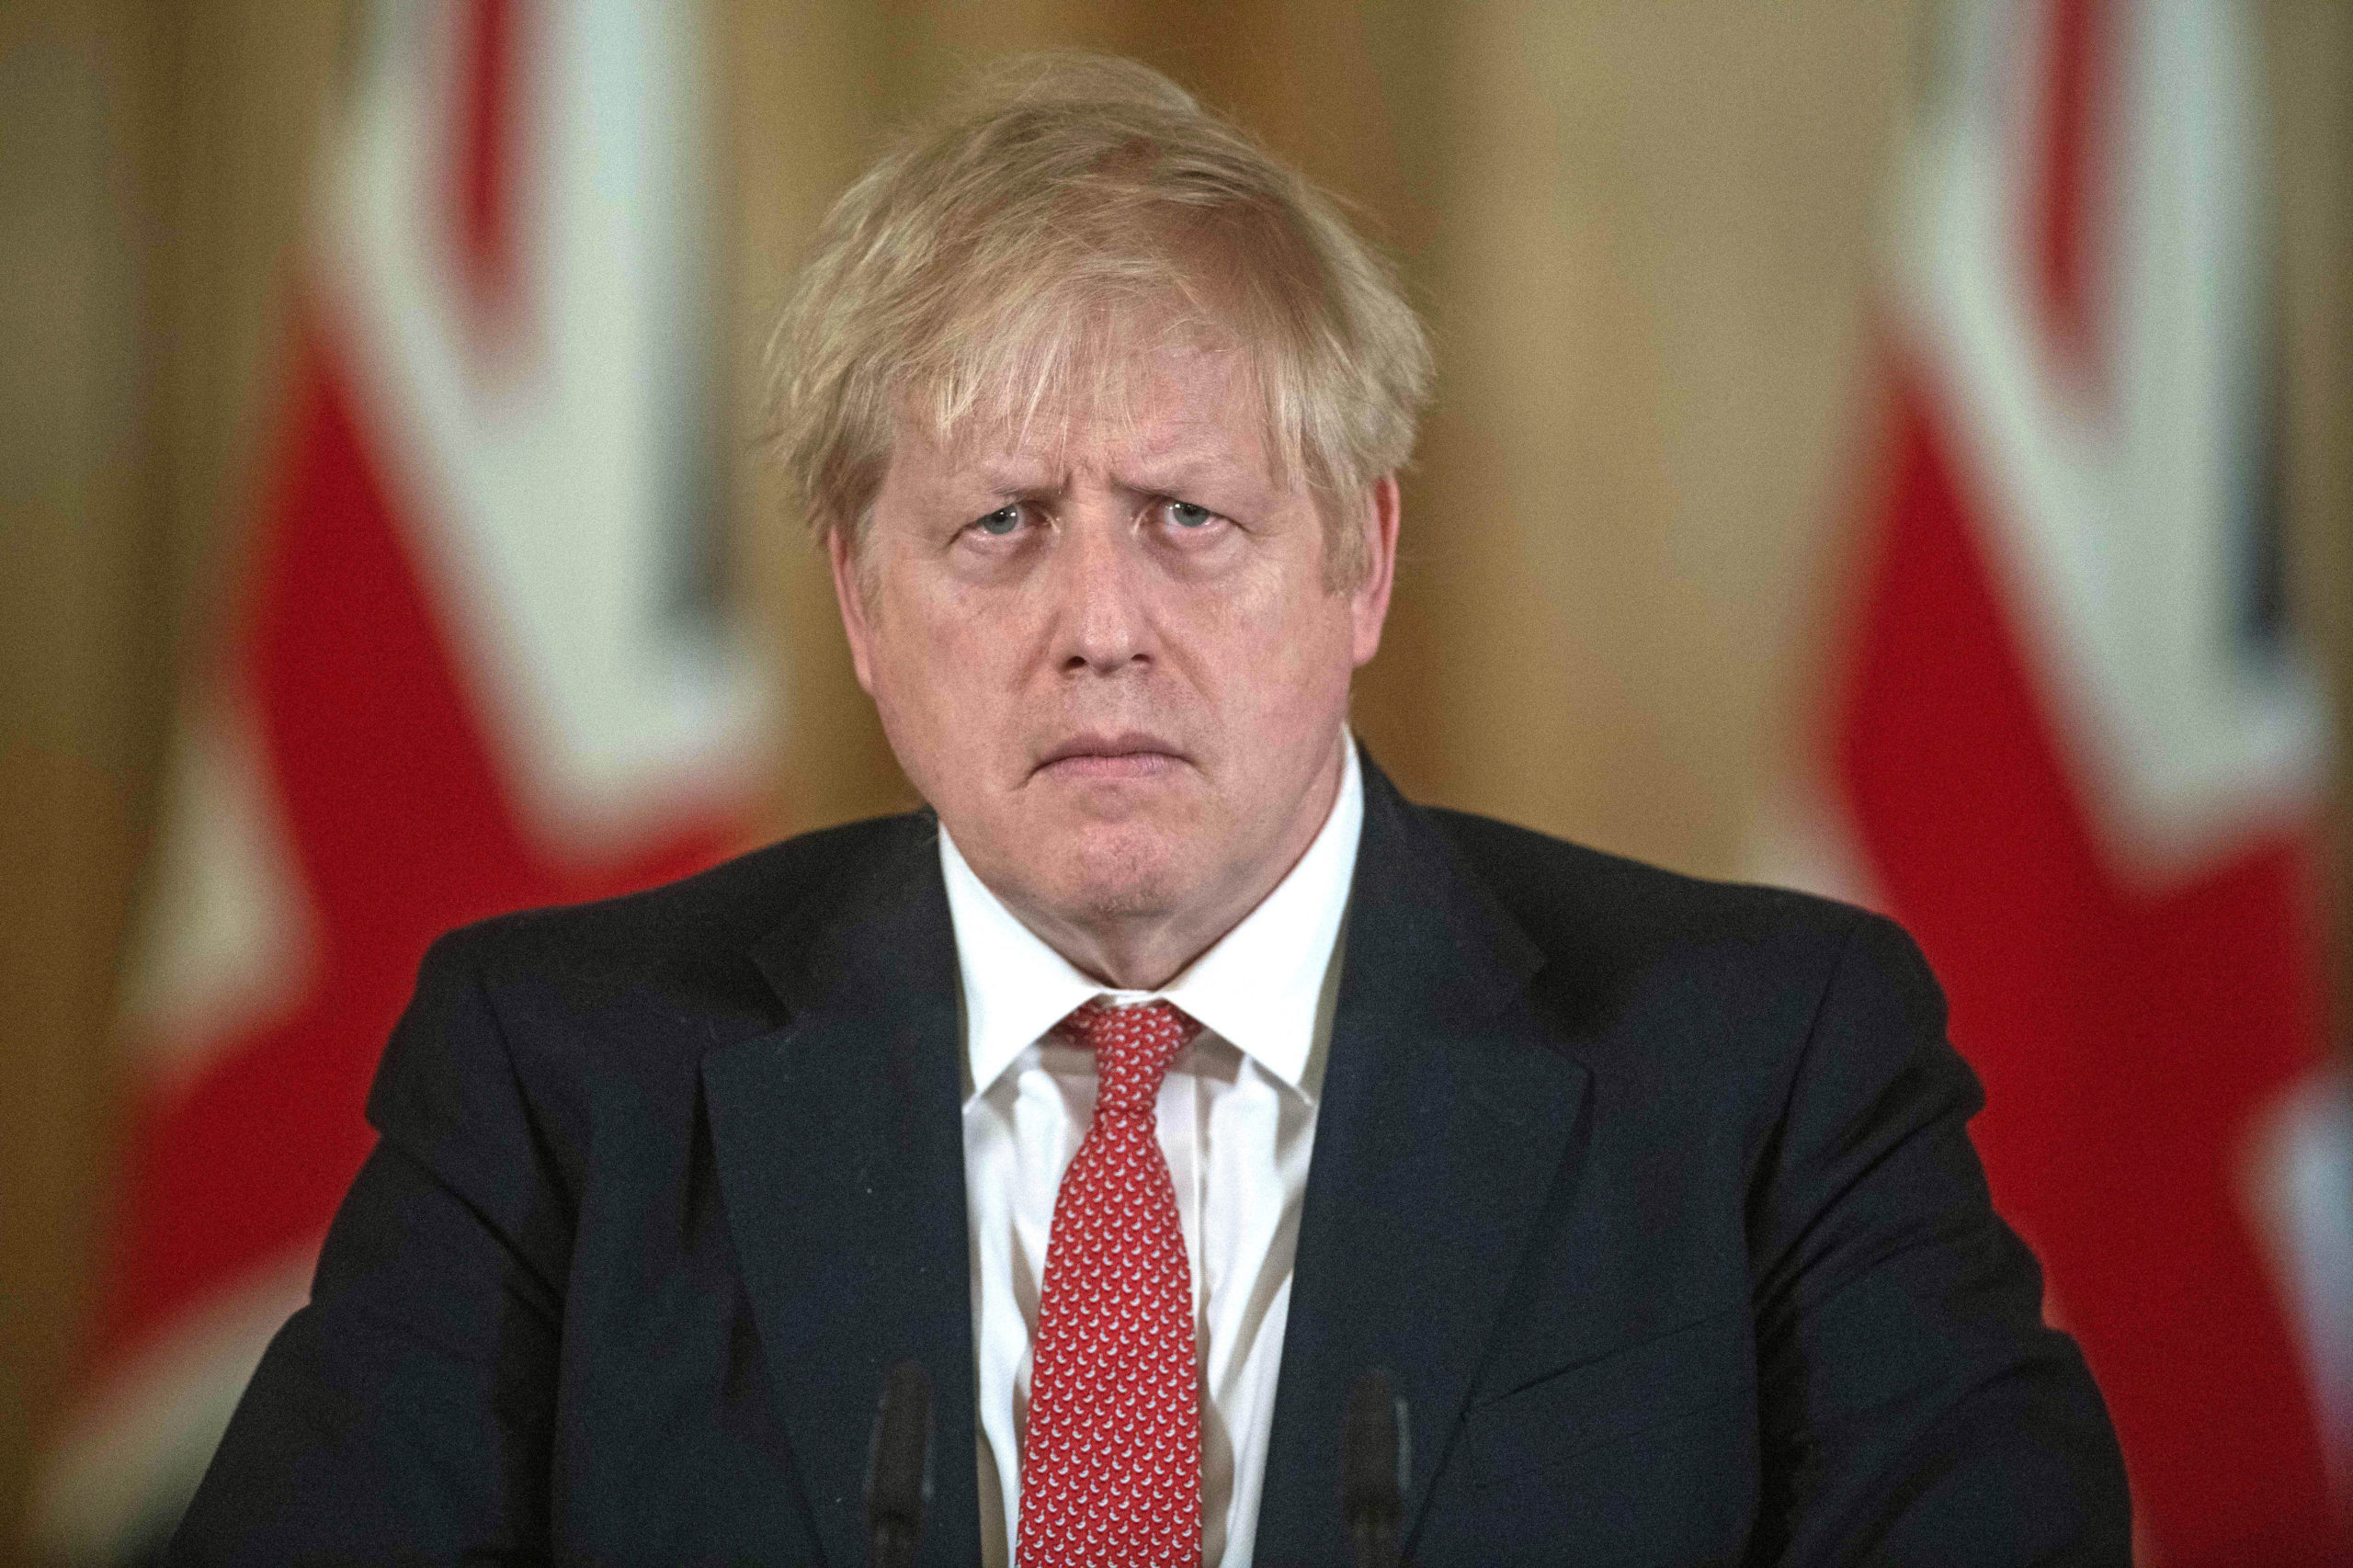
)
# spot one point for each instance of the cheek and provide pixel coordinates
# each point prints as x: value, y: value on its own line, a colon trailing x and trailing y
x: 940, y: 679
x: 1291, y: 647
x: 1278, y: 668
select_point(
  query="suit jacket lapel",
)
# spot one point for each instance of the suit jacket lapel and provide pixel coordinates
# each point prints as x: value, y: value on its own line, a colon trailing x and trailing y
x: 1445, y: 1117
x: 839, y: 1140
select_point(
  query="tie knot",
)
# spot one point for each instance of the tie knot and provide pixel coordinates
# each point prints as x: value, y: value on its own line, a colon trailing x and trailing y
x: 1133, y: 1046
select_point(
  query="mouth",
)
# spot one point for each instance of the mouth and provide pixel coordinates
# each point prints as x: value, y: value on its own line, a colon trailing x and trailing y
x: 1127, y: 755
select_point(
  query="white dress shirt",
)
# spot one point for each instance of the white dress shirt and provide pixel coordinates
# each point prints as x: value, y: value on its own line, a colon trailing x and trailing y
x: 1236, y: 1120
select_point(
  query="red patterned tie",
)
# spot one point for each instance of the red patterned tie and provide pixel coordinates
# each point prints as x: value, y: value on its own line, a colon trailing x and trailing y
x: 1111, y: 1468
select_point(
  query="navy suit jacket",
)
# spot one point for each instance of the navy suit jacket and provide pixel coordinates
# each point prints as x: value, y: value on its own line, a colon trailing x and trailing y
x: 1653, y: 1196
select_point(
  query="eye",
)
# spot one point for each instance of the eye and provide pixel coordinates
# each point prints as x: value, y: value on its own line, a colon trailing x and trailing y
x: 999, y: 523
x: 1185, y: 515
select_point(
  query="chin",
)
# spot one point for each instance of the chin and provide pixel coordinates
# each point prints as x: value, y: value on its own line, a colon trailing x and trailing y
x: 1124, y: 871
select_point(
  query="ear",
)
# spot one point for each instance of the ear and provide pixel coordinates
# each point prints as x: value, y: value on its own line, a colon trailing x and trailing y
x: 850, y: 595
x: 1368, y: 603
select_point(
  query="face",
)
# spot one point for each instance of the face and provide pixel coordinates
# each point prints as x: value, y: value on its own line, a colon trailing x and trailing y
x: 1110, y: 660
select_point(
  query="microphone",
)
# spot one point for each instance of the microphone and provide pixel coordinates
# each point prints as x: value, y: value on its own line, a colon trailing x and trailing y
x: 1375, y: 1465
x: 898, y: 1468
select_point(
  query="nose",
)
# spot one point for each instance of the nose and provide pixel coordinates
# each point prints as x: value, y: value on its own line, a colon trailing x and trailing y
x: 1101, y: 621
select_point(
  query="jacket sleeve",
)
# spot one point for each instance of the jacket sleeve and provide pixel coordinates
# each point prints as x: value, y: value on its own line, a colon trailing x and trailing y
x: 1916, y: 1408
x: 405, y: 1410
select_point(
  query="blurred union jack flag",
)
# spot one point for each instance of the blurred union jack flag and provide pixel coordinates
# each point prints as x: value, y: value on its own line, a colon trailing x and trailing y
x: 2072, y: 744
x: 477, y: 660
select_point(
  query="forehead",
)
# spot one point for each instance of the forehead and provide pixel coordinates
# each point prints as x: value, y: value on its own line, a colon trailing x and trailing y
x: 1163, y: 413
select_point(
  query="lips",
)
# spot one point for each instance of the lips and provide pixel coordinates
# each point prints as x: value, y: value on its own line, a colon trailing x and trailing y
x: 1129, y: 753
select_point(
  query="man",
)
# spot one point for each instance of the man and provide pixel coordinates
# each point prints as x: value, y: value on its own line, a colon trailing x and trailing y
x: 1171, y: 1071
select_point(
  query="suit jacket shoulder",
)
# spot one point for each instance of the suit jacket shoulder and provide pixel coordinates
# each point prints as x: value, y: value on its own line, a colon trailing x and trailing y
x: 1677, y: 978
x: 533, y: 1329
x: 1767, y: 1219
x: 1574, y: 898
x: 600, y: 1001
x: 694, y: 934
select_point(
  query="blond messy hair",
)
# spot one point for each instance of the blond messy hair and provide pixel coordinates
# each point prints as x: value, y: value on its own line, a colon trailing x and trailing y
x: 1004, y: 259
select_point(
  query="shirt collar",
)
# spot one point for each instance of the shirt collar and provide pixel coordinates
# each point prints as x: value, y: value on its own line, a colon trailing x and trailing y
x: 1257, y: 986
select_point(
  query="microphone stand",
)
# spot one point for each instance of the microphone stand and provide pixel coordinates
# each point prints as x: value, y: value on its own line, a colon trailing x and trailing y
x: 898, y: 1468
x: 1376, y: 1464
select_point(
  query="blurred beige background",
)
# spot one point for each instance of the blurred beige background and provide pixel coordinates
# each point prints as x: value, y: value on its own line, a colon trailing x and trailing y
x: 1644, y: 231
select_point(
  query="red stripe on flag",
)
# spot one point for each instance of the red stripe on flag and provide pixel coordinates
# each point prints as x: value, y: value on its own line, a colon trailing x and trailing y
x: 2062, y: 220
x: 2127, y: 1038
x: 401, y: 827
x: 485, y: 167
